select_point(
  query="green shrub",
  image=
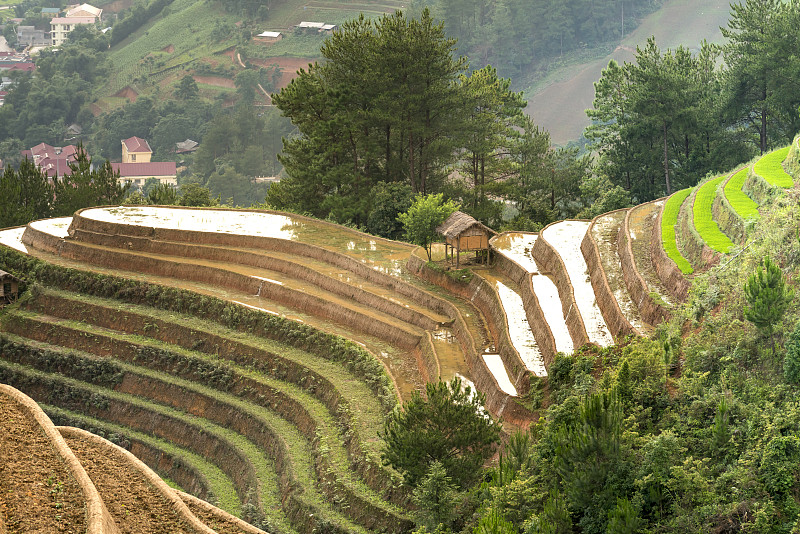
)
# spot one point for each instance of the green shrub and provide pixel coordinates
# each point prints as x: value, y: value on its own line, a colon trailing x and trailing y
x: 669, y: 219
x: 704, y: 217
x: 744, y: 206
x: 770, y: 169
x: 791, y: 362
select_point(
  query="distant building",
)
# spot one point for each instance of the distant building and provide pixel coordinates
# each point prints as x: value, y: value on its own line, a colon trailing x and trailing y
x: 137, y: 173
x: 53, y: 160
x: 268, y: 37
x: 186, y: 146
x: 30, y: 36
x: 136, y: 150
x: 60, y: 28
x: 50, y: 12
x: 316, y: 27
x: 84, y: 10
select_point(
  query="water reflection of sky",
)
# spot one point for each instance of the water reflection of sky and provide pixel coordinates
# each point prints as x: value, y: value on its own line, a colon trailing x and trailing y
x: 495, y: 364
x: 566, y: 237
x: 519, y: 330
x: 385, y: 256
x: 57, y: 227
x: 13, y: 238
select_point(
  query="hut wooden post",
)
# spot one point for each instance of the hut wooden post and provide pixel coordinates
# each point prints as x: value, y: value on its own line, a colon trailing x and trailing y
x: 464, y: 232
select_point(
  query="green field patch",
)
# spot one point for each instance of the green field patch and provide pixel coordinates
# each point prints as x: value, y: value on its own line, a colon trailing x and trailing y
x: 744, y: 206
x: 703, y: 217
x: 770, y: 169
x: 669, y: 219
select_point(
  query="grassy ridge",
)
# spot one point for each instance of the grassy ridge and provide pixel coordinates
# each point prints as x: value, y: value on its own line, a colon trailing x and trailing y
x: 703, y: 217
x: 744, y: 206
x: 669, y: 219
x: 770, y: 169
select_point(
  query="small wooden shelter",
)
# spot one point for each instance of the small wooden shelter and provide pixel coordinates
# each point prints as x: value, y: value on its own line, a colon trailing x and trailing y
x: 464, y: 233
x: 9, y: 287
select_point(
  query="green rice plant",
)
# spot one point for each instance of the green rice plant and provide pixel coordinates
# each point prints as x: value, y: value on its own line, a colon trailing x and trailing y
x: 770, y: 169
x: 703, y: 217
x: 744, y: 206
x: 669, y: 219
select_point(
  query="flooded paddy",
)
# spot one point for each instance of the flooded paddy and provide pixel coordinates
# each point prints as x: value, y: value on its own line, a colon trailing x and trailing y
x: 605, y: 231
x: 57, y: 227
x: 518, y: 328
x: 566, y: 237
x: 518, y: 247
x: 495, y: 364
x: 13, y: 238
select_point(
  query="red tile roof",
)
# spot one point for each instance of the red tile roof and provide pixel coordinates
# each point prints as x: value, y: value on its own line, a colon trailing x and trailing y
x: 145, y: 170
x: 137, y: 144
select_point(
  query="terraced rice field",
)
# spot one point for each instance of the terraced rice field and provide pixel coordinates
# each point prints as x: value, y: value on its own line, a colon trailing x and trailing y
x: 518, y: 248
x: 669, y: 221
x: 744, y: 206
x: 566, y: 238
x: 770, y: 168
x: 641, y: 222
x: 703, y: 217
x: 605, y: 231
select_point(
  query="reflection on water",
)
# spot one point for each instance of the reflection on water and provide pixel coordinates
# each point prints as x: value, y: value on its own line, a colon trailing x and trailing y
x: 519, y: 248
x: 566, y: 237
x: 13, y: 238
x: 495, y: 364
x: 57, y: 227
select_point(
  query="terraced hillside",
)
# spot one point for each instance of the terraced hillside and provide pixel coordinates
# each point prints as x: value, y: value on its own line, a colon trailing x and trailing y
x: 250, y: 357
x: 62, y: 477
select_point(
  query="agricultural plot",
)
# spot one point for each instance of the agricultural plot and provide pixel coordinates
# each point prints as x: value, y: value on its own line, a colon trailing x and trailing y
x: 703, y: 217
x: 669, y: 220
x: 770, y: 168
x: 744, y: 206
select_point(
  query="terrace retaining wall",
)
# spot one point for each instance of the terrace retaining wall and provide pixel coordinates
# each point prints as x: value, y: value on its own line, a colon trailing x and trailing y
x: 652, y: 312
x: 667, y: 270
x: 726, y: 217
x: 498, y: 402
x: 98, y: 519
x: 218, y: 514
x: 551, y: 262
x: 618, y: 324
x: 533, y: 310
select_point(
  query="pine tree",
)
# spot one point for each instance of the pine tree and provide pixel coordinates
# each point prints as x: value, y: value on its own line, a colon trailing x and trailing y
x: 767, y: 298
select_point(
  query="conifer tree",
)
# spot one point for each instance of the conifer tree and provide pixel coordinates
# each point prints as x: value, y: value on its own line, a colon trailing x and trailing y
x: 767, y: 298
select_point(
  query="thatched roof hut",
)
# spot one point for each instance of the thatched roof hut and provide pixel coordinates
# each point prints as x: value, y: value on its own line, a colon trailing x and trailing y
x: 9, y: 287
x: 463, y: 233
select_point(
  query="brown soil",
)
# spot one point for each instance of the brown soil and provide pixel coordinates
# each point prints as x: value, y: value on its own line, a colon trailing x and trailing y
x: 127, y: 92
x: 168, y: 49
x: 287, y: 65
x: 37, y: 493
x: 217, y: 81
x: 642, y: 221
x: 132, y: 501
x: 214, y: 522
x: 117, y: 6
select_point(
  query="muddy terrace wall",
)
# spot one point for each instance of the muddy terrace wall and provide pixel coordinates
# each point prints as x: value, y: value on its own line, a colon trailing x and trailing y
x: 551, y: 262
x: 693, y: 248
x: 651, y: 311
x: 270, y: 243
x: 173, y: 467
x: 498, y: 402
x: 533, y: 310
x: 98, y: 519
x: 609, y: 307
x: 668, y: 272
x: 130, y: 462
x: 237, y: 466
x: 264, y: 261
x: 369, y: 468
x: 726, y: 217
x: 123, y: 261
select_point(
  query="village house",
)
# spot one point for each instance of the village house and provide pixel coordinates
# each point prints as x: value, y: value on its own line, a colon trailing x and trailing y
x: 60, y: 27
x: 315, y: 27
x: 50, y: 12
x: 53, y: 160
x: 268, y: 37
x: 136, y: 166
x: 30, y: 36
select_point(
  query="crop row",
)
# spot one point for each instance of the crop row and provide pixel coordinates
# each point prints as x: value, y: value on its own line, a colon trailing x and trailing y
x: 669, y: 220
x: 703, y: 217
x: 744, y: 206
x: 770, y: 168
